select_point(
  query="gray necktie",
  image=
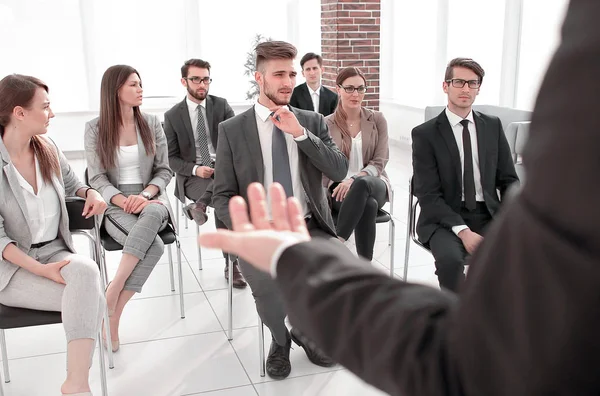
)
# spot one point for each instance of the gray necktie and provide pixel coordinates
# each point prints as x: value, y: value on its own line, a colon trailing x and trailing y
x: 281, y: 162
x: 202, y: 139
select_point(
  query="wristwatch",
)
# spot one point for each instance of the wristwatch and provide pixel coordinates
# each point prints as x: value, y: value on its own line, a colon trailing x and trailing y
x: 146, y: 195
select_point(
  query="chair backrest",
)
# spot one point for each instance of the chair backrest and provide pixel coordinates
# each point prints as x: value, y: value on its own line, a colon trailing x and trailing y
x: 506, y: 114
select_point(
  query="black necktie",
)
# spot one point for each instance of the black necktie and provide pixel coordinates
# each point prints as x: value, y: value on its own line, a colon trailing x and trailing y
x: 468, y: 176
x: 281, y: 162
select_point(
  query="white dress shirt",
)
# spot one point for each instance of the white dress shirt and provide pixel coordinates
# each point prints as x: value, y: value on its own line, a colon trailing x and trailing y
x: 128, y: 161
x: 457, y: 128
x: 193, y: 111
x: 43, y: 209
x: 315, y: 96
x: 355, y: 162
x: 265, y: 135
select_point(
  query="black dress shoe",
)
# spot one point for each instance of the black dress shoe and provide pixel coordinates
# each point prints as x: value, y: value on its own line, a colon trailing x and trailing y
x: 313, y: 353
x: 196, y: 211
x: 238, y: 279
x: 278, y: 361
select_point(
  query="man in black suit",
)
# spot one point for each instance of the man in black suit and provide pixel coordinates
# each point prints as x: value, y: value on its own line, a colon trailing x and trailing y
x: 311, y: 95
x: 460, y: 159
x: 527, y: 322
x: 272, y: 142
x: 192, y: 151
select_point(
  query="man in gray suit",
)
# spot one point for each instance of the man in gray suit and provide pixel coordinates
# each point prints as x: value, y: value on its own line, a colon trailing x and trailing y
x: 272, y: 142
x: 192, y: 150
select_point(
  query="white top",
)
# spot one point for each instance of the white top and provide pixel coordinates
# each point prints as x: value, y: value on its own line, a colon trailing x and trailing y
x: 43, y: 209
x: 265, y: 135
x: 193, y: 112
x: 315, y: 96
x: 355, y: 162
x: 457, y: 128
x: 128, y: 161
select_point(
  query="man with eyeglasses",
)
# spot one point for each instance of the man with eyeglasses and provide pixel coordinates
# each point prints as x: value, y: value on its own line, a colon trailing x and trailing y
x: 191, y: 127
x: 311, y: 95
x: 460, y: 159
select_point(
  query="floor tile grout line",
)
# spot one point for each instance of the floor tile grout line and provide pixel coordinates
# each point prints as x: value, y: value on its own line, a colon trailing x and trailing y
x: 216, y: 390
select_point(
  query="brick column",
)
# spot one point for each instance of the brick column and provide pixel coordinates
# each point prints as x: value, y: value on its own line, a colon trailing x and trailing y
x: 350, y: 37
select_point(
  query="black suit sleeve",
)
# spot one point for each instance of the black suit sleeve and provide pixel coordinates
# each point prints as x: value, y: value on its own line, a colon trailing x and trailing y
x: 427, y: 183
x: 506, y: 174
x: 225, y: 185
x: 334, y: 102
x: 176, y: 162
x: 294, y: 99
x: 389, y: 333
x: 229, y: 113
x: 323, y: 152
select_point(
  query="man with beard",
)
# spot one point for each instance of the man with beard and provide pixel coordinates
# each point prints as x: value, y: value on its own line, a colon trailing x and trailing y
x: 272, y: 142
x: 460, y: 159
x: 191, y: 128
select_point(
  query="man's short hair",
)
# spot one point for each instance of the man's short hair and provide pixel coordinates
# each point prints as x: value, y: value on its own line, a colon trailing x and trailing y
x: 202, y: 64
x: 311, y: 56
x: 273, y: 50
x: 466, y: 63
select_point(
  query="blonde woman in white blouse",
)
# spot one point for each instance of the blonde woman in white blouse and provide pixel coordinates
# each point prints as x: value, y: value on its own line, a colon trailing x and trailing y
x: 39, y: 268
x: 362, y: 136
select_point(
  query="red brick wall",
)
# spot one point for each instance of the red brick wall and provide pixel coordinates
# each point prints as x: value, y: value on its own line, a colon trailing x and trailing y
x: 350, y: 37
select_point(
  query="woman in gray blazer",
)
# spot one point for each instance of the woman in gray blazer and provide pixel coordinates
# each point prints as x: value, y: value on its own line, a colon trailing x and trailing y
x: 127, y: 161
x: 362, y: 136
x: 38, y: 265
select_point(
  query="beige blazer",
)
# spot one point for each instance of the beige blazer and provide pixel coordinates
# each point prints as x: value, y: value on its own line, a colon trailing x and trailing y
x: 154, y: 168
x: 375, y: 148
x: 14, y: 224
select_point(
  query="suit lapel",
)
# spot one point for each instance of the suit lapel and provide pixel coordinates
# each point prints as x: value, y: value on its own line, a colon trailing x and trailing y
x: 145, y: 169
x: 307, y: 97
x: 367, y: 128
x: 13, y: 182
x: 253, y: 142
x: 480, y: 129
x: 448, y: 136
x: 209, y: 121
x: 184, y: 116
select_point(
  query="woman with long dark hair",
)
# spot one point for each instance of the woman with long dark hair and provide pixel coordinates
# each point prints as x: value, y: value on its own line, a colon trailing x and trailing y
x: 362, y: 136
x: 38, y: 265
x: 127, y: 157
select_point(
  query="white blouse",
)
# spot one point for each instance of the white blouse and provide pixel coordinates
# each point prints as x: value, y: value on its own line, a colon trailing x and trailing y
x: 355, y: 162
x: 128, y: 161
x: 43, y: 209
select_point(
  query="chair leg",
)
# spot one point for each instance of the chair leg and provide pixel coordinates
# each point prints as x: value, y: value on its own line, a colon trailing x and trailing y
x: 185, y: 219
x: 4, y: 356
x: 102, y: 365
x: 181, y: 304
x: 171, y: 275
x: 177, y: 215
x: 199, y: 248
x: 406, y: 255
x: 230, y: 299
x: 96, y: 249
x: 261, y: 347
x: 392, y: 244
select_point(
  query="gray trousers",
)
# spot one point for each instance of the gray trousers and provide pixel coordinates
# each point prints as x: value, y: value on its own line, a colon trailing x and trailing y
x: 81, y: 301
x: 138, y: 233
x: 267, y: 297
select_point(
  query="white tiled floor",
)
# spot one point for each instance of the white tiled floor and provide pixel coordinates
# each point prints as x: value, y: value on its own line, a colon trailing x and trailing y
x: 164, y: 355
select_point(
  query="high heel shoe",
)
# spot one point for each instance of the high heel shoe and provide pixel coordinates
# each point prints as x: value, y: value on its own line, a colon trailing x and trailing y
x: 114, y: 344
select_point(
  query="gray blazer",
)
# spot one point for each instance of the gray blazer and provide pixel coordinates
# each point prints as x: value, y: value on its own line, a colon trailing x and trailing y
x: 240, y: 162
x: 155, y: 169
x: 180, y: 137
x: 14, y: 225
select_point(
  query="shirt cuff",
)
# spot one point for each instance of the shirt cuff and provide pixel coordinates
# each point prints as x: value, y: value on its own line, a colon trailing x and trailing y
x: 194, y: 170
x: 303, y: 137
x: 459, y: 228
x: 288, y: 241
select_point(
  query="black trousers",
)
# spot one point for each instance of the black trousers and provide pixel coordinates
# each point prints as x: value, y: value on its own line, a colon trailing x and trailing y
x: 449, y: 252
x: 358, y: 211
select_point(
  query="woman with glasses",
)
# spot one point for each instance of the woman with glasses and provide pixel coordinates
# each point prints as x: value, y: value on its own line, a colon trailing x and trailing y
x: 127, y: 157
x: 363, y: 138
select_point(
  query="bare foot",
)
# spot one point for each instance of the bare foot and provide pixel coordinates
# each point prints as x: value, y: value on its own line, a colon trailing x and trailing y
x: 69, y: 387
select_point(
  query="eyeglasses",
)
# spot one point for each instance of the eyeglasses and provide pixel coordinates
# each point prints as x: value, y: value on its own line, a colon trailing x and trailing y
x: 198, y: 80
x: 459, y: 83
x: 350, y: 89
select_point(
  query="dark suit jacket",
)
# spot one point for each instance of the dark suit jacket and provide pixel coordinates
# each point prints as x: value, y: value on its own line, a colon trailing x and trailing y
x: 180, y: 136
x: 438, y: 173
x: 527, y: 323
x: 301, y: 99
x: 240, y: 162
